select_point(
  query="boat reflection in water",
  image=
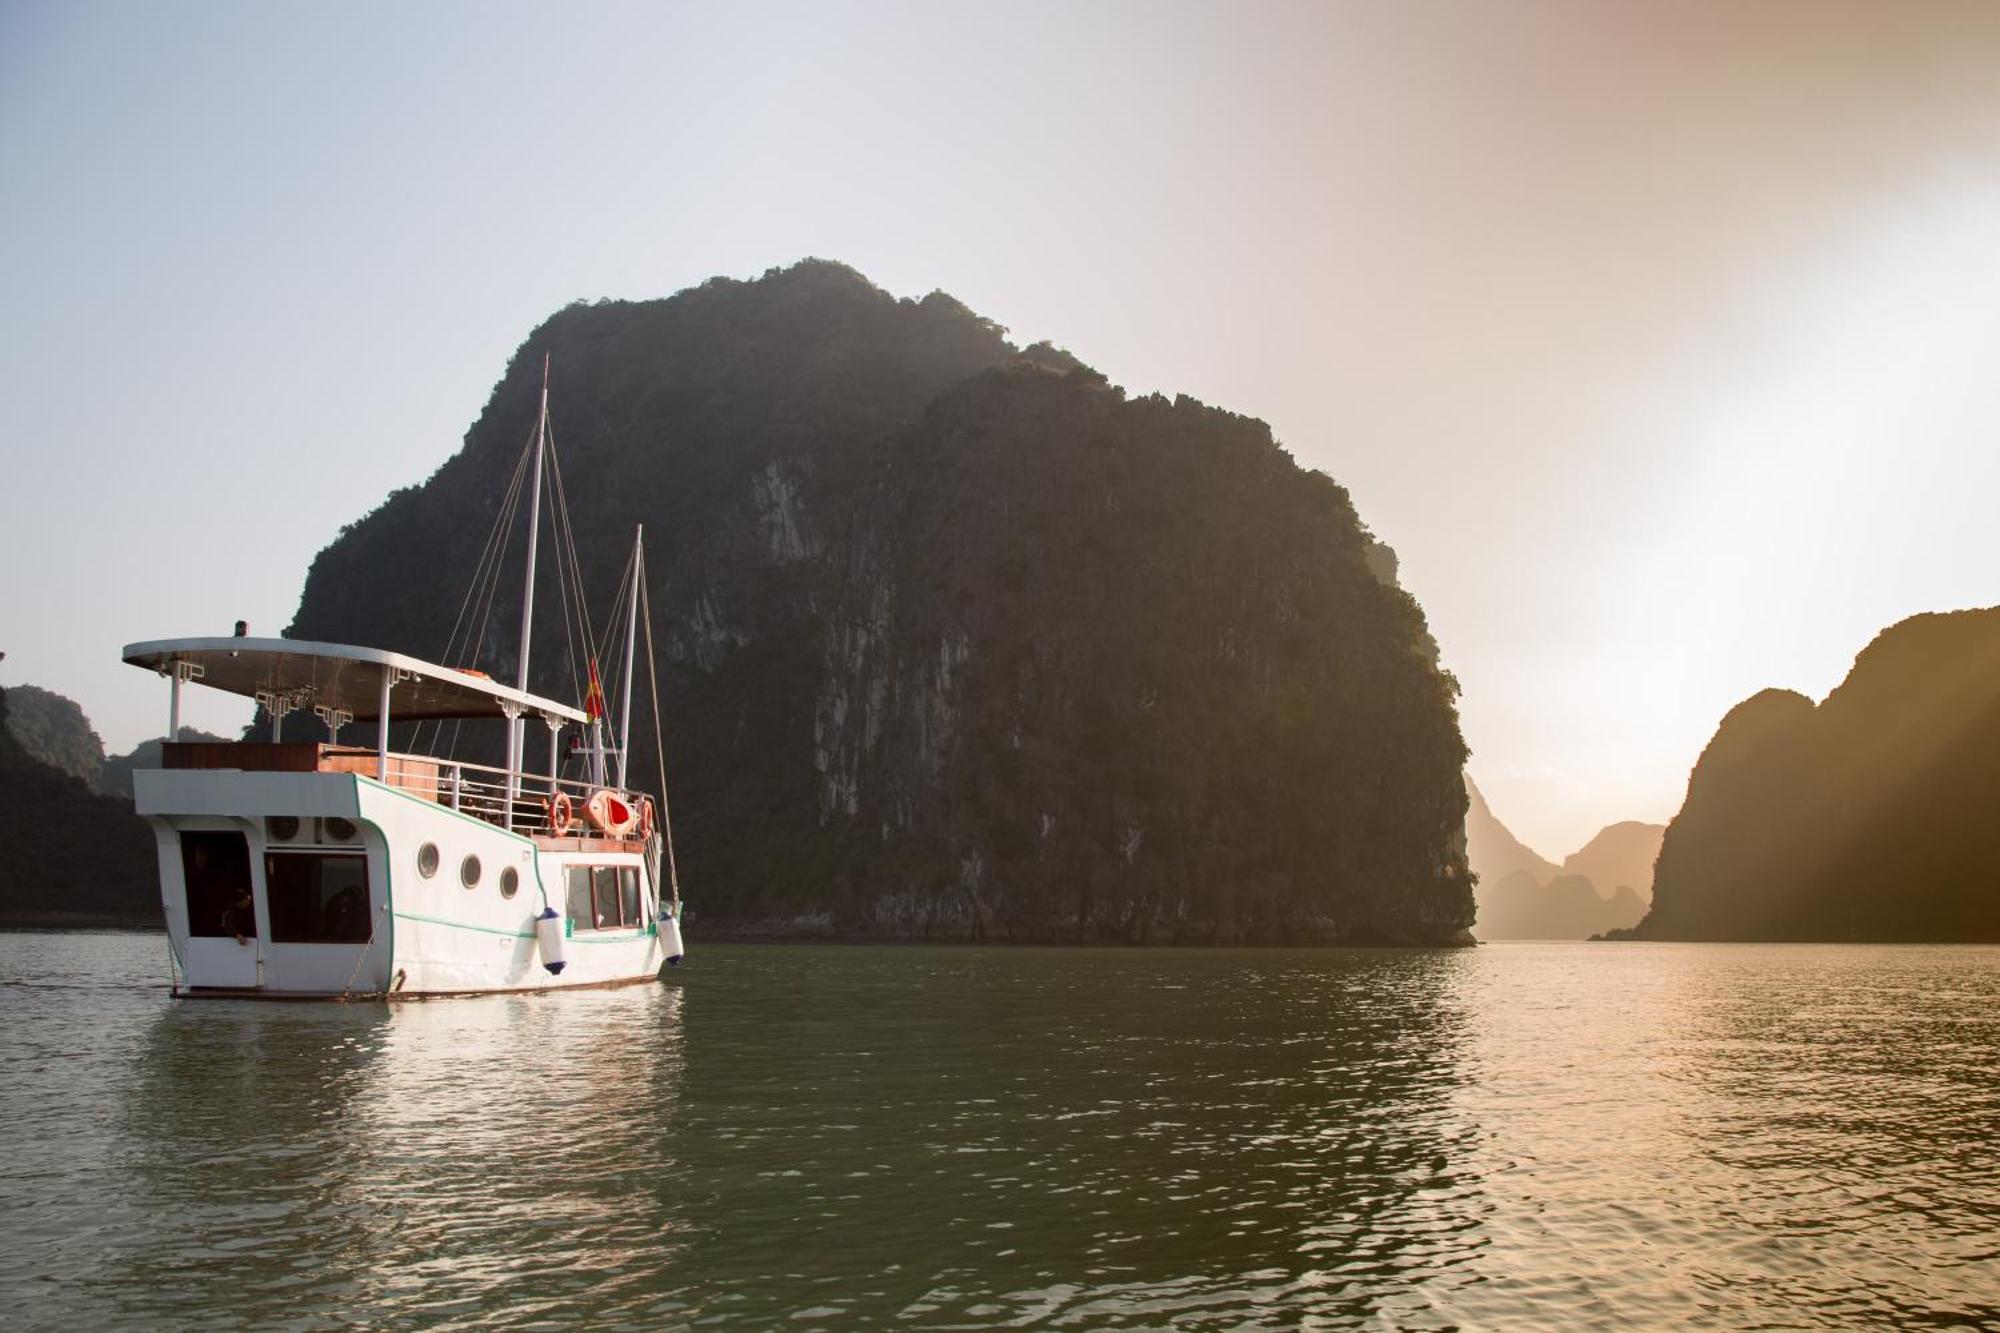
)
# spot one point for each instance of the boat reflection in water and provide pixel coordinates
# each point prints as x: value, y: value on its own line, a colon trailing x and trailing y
x: 436, y: 1160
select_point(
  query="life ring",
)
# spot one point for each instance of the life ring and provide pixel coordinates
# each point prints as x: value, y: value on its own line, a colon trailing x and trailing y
x: 561, y: 817
x: 610, y: 812
x: 645, y: 818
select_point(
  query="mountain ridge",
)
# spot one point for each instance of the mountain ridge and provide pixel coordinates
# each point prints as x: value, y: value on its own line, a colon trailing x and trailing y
x: 1603, y: 886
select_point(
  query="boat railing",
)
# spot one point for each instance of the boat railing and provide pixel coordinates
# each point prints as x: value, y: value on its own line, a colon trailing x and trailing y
x: 483, y: 791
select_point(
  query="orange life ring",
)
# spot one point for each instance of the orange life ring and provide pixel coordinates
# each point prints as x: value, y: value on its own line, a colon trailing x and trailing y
x: 645, y: 818
x: 560, y: 816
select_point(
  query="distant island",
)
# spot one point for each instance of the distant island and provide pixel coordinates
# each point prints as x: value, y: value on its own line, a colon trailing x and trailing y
x: 960, y: 641
x: 1521, y: 895
x: 69, y: 856
x: 54, y: 729
x: 1873, y: 815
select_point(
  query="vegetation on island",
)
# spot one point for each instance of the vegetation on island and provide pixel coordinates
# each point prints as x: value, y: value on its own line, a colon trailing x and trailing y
x: 957, y: 640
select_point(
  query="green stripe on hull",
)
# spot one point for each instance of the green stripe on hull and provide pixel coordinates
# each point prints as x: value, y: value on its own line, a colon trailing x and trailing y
x: 593, y: 937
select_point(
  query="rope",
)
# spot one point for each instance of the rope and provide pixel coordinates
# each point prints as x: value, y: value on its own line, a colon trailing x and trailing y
x: 374, y: 934
x: 503, y: 524
x: 567, y: 567
x: 495, y: 540
x: 480, y: 589
x: 601, y: 651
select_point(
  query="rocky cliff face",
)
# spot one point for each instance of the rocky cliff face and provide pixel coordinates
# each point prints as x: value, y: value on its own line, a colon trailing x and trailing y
x: 1870, y: 816
x: 959, y: 641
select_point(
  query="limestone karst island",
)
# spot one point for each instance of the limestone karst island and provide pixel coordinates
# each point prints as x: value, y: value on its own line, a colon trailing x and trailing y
x: 962, y: 642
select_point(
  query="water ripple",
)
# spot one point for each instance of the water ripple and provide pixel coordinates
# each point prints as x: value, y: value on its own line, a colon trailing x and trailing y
x: 960, y: 1138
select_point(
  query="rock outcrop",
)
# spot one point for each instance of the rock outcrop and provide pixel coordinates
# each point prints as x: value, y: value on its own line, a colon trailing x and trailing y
x: 959, y: 641
x: 1870, y: 816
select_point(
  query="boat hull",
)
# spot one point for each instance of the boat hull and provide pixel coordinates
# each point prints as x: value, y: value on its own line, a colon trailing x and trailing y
x: 363, y: 889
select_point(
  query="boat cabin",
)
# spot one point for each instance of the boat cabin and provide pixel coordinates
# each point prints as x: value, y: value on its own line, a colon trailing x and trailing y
x: 318, y: 867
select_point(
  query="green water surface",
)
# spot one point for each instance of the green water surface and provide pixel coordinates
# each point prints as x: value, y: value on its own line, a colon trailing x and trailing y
x: 1556, y: 1135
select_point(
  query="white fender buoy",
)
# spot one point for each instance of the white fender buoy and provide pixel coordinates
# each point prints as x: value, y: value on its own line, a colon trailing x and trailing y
x: 611, y: 812
x: 549, y: 935
x: 670, y: 938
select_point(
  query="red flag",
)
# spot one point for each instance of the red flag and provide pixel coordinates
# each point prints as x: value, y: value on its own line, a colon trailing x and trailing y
x: 593, y: 701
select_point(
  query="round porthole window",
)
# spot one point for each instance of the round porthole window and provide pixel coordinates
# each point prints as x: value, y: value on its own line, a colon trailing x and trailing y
x: 510, y: 882
x: 340, y: 830
x: 283, y: 828
x: 427, y: 860
x: 468, y: 872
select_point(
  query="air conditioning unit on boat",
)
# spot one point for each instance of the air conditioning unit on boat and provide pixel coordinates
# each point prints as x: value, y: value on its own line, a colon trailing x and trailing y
x: 338, y: 831
x: 287, y: 828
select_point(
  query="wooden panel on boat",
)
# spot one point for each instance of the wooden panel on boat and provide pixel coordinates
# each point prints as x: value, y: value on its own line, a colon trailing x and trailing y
x: 251, y: 756
x: 411, y: 773
x: 414, y: 774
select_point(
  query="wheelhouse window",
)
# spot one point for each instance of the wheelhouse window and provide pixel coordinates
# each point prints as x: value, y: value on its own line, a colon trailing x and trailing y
x: 317, y: 898
x: 604, y: 898
x: 216, y: 868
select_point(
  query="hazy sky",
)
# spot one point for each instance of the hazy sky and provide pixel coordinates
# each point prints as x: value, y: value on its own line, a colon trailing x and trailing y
x: 1659, y: 339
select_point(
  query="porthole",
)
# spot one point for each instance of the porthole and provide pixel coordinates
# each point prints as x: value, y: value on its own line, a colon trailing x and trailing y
x: 283, y: 828
x: 427, y: 860
x: 340, y: 830
x: 468, y: 872
x: 510, y: 882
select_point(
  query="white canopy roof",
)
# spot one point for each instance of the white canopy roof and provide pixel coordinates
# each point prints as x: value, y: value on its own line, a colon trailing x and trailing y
x: 339, y: 675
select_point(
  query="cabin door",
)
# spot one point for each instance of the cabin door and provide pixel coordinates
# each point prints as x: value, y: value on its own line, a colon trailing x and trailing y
x: 223, y: 962
x: 215, y: 875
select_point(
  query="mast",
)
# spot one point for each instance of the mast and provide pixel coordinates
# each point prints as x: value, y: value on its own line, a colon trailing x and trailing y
x: 515, y: 759
x: 631, y: 647
x: 534, y: 527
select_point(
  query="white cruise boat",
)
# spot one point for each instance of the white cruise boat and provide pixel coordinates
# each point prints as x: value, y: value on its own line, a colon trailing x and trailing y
x: 302, y: 869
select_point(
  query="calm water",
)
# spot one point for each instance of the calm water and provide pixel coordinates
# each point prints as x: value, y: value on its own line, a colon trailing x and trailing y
x: 1557, y: 1135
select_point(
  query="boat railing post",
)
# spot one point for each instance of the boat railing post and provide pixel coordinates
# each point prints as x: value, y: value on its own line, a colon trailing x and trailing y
x: 177, y: 672
x: 555, y: 752
x: 382, y: 727
x: 457, y: 784
x: 511, y: 788
x: 391, y: 678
